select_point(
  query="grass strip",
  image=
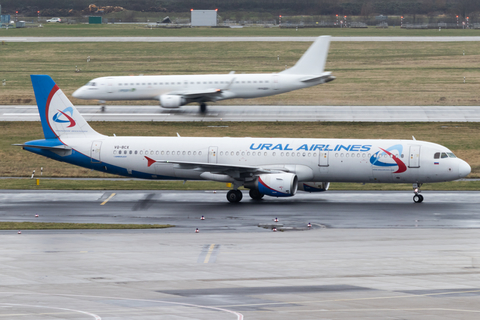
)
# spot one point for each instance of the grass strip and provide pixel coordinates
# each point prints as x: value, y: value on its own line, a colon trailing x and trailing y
x: 69, y: 226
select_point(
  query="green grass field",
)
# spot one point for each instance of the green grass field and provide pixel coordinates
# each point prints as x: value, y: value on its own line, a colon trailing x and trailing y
x: 368, y: 73
x: 139, y: 30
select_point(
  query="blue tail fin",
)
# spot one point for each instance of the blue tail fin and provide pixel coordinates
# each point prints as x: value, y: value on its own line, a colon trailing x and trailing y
x: 59, y: 116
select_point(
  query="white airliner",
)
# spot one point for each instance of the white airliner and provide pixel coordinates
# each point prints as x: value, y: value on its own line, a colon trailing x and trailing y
x: 178, y: 90
x: 275, y: 167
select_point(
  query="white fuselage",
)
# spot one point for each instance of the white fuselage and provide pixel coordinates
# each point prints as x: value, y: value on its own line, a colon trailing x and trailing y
x: 333, y: 160
x: 230, y: 86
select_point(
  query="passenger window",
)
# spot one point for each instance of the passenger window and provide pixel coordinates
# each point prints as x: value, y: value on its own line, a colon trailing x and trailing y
x: 194, y: 153
x: 265, y: 154
x: 248, y: 153
x: 163, y: 153
x: 243, y: 153
x: 189, y: 153
x: 120, y: 84
x: 199, y: 153
x: 238, y: 153
x: 231, y: 153
x: 130, y: 152
x: 168, y: 153
x: 183, y: 153
x: 136, y: 151
x: 178, y: 153
x: 253, y: 153
x: 281, y: 154
x: 273, y: 154
x: 114, y: 151
x: 157, y: 153
x: 221, y: 153
x: 141, y: 152
x: 288, y: 154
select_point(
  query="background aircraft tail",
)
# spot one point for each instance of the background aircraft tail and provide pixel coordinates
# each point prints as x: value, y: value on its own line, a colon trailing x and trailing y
x: 313, y: 60
x: 59, y: 116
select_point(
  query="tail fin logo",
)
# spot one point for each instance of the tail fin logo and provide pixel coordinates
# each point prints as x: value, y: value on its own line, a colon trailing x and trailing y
x: 57, y: 117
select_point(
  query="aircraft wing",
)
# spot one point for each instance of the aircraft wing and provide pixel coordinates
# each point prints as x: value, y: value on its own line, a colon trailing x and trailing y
x: 195, y: 94
x: 214, y: 167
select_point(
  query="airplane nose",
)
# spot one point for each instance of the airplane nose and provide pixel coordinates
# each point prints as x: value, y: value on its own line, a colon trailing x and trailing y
x: 77, y: 93
x: 464, y: 169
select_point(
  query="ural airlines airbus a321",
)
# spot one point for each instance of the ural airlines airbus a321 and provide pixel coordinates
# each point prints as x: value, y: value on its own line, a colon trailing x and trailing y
x: 178, y: 90
x: 275, y: 167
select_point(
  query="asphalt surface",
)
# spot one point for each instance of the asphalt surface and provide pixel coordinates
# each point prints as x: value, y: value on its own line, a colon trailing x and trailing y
x: 260, y: 113
x: 236, y: 39
x: 368, y: 255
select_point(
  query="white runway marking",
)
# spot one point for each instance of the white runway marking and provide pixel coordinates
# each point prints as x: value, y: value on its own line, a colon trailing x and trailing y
x: 237, y: 314
x: 55, y: 308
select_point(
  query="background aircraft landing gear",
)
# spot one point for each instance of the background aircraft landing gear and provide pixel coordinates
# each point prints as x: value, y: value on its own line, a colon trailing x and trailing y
x: 255, y: 194
x: 103, y: 106
x: 203, y: 107
x: 417, y: 198
x: 234, y: 196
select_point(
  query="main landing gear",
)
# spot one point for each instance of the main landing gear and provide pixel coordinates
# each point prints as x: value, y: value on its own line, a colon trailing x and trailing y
x: 255, y: 194
x: 234, y: 196
x: 103, y: 105
x: 417, y: 198
x: 203, y: 107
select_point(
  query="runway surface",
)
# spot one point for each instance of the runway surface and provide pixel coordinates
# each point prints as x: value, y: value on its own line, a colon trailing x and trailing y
x: 235, y: 39
x: 261, y: 113
x: 368, y: 255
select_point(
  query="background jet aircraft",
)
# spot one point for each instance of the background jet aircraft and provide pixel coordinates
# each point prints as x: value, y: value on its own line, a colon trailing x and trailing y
x: 275, y: 167
x: 177, y: 90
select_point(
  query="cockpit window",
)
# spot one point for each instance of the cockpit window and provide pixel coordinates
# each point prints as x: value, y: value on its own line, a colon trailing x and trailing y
x: 436, y: 155
x: 444, y: 155
x: 91, y: 84
x: 451, y: 155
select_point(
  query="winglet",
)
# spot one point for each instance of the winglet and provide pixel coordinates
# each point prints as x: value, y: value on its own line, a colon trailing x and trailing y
x: 150, y: 161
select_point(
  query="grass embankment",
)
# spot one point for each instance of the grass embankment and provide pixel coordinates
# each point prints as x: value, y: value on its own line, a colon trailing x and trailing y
x: 139, y: 30
x: 368, y: 73
x: 60, y: 226
x: 462, y: 138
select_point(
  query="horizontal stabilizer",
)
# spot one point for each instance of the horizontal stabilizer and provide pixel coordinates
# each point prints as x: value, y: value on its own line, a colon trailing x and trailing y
x: 325, y: 77
x: 59, y: 147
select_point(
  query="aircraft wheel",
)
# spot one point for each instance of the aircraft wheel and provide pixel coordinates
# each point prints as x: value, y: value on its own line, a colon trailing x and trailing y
x: 203, y: 107
x: 234, y: 196
x: 255, y: 194
x: 417, y: 198
x: 103, y: 108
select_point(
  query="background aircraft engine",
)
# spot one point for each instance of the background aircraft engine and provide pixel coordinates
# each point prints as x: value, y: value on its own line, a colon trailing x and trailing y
x: 313, y: 186
x: 277, y: 184
x: 171, y: 101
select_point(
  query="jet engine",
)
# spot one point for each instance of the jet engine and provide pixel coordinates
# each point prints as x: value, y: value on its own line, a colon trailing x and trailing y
x: 313, y: 186
x: 171, y: 101
x: 275, y: 184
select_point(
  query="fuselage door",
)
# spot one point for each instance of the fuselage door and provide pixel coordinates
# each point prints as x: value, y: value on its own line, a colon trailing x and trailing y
x: 414, y: 159
x: 95, y: 151
x: 323, y: 159
x: 212, y: 154
x: 275, y: 82
x: 110, y: 85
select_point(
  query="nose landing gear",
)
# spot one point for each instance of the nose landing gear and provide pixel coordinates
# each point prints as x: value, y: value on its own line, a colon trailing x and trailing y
x: 417, y: 198
x: 203, y: 107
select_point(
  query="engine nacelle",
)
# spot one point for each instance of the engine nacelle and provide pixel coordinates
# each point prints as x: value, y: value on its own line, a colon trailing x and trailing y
x: 313, y: 186
x: 275, y: 184
x: 171, y: 101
